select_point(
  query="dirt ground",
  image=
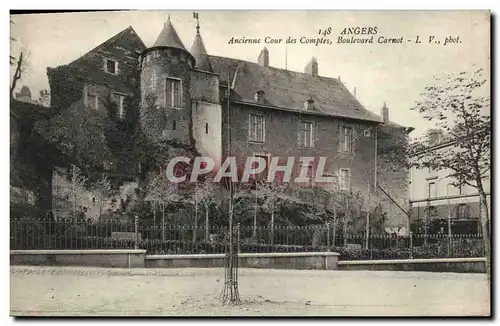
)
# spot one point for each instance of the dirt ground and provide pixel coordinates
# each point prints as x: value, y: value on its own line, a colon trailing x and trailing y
x: 65, y: 291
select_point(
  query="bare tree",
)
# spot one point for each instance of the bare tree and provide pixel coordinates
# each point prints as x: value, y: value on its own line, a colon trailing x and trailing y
x: 78, y: 182
x: 101, y: 190
x: 21, y: 60
x: 204, y: 195
x: 271, y: 196
x: 454, y: 102
x: 164, y: 192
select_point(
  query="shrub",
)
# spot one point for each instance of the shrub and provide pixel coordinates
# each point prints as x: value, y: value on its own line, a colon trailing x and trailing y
x: 372, y: 254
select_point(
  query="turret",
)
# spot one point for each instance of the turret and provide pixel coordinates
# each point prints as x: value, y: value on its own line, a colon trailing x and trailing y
x: 165, y: 78
x: 199, y: 52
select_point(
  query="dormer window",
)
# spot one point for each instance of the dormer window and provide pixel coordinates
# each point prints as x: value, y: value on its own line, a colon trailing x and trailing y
x: 309, y: 104
x: 259, y: 96
x: 111, y: 66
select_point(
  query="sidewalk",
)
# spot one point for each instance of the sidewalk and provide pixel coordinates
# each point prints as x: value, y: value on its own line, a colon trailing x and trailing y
x: 51, y: 291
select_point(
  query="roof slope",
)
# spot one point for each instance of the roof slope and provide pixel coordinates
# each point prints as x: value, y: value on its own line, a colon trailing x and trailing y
x: 290, y: 89
x: 168, y: 37
x: 200, y: 53
x: 127, y: 38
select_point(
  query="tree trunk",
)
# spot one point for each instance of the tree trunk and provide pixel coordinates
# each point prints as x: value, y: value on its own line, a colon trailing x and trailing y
x: 17, y: 75
x: 334, y: 226
x: 272, y: 227
x: 426, y: 221
x: 367, y: 230
x: 195, y: 220
x: 163, y: 222
x: 255, y: 219
x: 154, y: 220
x: 483, y: 211
x: 207, y: 231
x: 101, y: 204
x: 346, y: 216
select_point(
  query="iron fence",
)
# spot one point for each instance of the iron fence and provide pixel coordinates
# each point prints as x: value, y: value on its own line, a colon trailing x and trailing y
x: 187, y: 239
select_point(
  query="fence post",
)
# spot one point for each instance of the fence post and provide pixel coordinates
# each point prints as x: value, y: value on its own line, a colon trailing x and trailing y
x: 136, y: 224
x: 411, y: 245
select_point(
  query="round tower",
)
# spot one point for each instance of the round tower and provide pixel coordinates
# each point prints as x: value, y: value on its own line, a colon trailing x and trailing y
x: 165, y: 78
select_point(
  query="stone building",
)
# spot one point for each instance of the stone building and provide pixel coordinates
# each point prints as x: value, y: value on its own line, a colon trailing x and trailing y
x: 216, y: 103
x: 435, y: 197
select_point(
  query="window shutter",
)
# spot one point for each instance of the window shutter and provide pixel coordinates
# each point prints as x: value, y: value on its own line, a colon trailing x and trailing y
x: 340, y: 138
x: 313, y: 126
x: 249, y: 127
x: 299, y: 132
x: 353, y: 139
x: 167, y: 93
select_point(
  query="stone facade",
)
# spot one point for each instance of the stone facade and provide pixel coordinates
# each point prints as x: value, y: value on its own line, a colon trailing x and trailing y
x: 281, y: 140
x: 192, y: 95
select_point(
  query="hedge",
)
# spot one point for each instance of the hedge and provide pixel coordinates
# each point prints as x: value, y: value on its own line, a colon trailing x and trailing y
x: 155, y: 246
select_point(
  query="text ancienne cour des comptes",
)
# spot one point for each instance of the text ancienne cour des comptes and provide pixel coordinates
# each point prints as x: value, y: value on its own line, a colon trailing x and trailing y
x: 347, y: 35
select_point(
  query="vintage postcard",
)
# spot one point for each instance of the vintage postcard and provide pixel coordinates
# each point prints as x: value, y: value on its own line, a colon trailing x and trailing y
x: 250, y: 163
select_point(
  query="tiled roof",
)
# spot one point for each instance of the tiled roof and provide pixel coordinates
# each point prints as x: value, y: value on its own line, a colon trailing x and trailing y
x: 128, y: 36
x: 289, y: 89
x: 169, y: 38
x: 200, y: 54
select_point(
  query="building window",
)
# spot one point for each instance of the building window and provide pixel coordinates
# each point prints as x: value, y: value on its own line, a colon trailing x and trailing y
x: 346, y: 139
x: 110, y: 66
x: 120, y: 109
x: 256, y: 128
x: 152, y: 82
x: 462, y: 211
x: 206, y: 128
x: 306, y: 134
x: 92, y: 98
x: 431, y: 190
x: 173, y: 93
x: 174, y: 124
x: 344, y: 179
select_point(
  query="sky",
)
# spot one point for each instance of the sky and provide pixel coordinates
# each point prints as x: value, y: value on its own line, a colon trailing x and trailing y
x: 391, y: 73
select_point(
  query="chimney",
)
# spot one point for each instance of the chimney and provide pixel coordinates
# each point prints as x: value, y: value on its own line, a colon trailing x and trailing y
x: 354, y: 92
x: 264, y: 58
x: 312, y: 67
x: 384, y: 112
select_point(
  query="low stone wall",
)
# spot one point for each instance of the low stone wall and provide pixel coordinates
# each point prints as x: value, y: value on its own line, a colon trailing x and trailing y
x: 454, y: 265
x: 95, y: 258
x: 292, y: 260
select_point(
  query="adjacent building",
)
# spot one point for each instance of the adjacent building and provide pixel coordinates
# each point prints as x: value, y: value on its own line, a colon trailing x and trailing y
x: 434, y: 197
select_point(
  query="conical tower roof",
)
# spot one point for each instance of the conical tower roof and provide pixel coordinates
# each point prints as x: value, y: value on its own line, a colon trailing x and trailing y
x: 200, y: 53
x: 169, y: 37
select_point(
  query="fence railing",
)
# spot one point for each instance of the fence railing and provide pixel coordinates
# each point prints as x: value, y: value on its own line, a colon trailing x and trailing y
x: 187, y: 239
